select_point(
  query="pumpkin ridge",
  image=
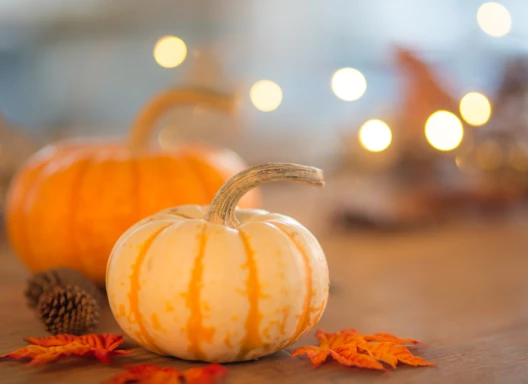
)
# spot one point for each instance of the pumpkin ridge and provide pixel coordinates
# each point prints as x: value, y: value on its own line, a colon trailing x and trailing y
x: 21, y: 244
x: 37, y: 210
x: 135, y: 286
x: 136, y: 185
x: 252, y: 338
x: 202, y: 179
x: 195, y: 328
x: 191, y: 172
x: 72, y: 219
x: 307, y: 309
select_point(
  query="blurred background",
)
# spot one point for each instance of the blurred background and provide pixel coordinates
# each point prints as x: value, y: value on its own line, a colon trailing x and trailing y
x: 415, y: 109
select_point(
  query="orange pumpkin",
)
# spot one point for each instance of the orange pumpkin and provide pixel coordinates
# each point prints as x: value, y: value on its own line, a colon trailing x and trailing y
x: 71, y: 201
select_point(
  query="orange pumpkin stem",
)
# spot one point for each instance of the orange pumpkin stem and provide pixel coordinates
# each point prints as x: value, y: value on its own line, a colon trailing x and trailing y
x: 222, y: 208
x: 148, y: 117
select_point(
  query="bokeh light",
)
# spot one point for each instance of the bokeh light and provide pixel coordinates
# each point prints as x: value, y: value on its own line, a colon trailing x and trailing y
x: 265, y: 95
x: 444, y: 131
x: 494, y: 19
x: 475, y: 108
x: 348, y: 84
x: 170, y: 51
x: 375, y: 135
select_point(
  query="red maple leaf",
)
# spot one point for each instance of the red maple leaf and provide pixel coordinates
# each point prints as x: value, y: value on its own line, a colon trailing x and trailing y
x: 145, y: 373
x: 153, y: 374
x: 47, y: 349
x: 349, y: 347
x: 211, y: 374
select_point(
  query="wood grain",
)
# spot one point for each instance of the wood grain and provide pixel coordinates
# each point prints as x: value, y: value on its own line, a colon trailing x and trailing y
x: 461, y: 288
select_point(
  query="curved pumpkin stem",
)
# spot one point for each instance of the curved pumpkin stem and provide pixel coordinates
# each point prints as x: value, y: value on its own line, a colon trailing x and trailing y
x: 148, y: 117
x: 222, y: 208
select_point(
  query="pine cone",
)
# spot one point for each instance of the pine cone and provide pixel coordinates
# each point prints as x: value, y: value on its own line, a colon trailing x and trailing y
x: 43, y: 281
x: 68, y: 309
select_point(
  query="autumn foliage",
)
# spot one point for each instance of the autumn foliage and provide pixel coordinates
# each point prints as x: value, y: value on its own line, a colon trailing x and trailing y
x: 152, y: 374
x: 47, y: 349
x: 103, y: 347
x: 349, y: 347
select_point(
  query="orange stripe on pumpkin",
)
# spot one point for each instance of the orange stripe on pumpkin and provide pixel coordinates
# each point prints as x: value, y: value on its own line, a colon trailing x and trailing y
x: 196, y: 332
x: 252, y: 339
x: 135, y: 287
x: 304, y: 320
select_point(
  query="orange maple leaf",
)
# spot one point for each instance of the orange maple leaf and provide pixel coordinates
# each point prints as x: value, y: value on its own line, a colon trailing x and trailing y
x: 381, y: 337
x: 152, y: 374
x: 342, y: 347
x: 42, y: 355
x: 103, y: 346
x: 47, y: 349
x: 317, y: 355
x: 392, y: 354
x: 349, y: 347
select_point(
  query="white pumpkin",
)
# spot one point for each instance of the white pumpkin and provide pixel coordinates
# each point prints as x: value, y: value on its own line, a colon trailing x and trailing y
x: 217, y: 283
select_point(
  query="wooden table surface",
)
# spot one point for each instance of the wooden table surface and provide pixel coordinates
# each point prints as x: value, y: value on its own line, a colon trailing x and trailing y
x: 462, y: 289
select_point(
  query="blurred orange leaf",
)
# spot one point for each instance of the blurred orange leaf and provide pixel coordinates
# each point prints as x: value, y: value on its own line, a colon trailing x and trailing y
x: 211, y: 374
x: 349, y: 347
x: 145, y: 373
x: 48, y: 349
x: 152, y: 374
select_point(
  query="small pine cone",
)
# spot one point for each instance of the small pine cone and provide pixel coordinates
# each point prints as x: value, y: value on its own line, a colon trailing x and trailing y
x: 68, y: 309
x: 43, y: 281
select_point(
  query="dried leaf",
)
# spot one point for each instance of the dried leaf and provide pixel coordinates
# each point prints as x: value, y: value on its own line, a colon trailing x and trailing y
x: 103, y: 346
x: 105, y: 340
x: 349, y: 347
x: 211, y: 374
x: 42, y: 355
x: 336, y: 339
x: 48, y: 349
x: 145, y: 373
x: 382, y: 337
x: 152, y: 374
x: 392, y: 353
x: 348, y: 355
x: 317, y: 355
